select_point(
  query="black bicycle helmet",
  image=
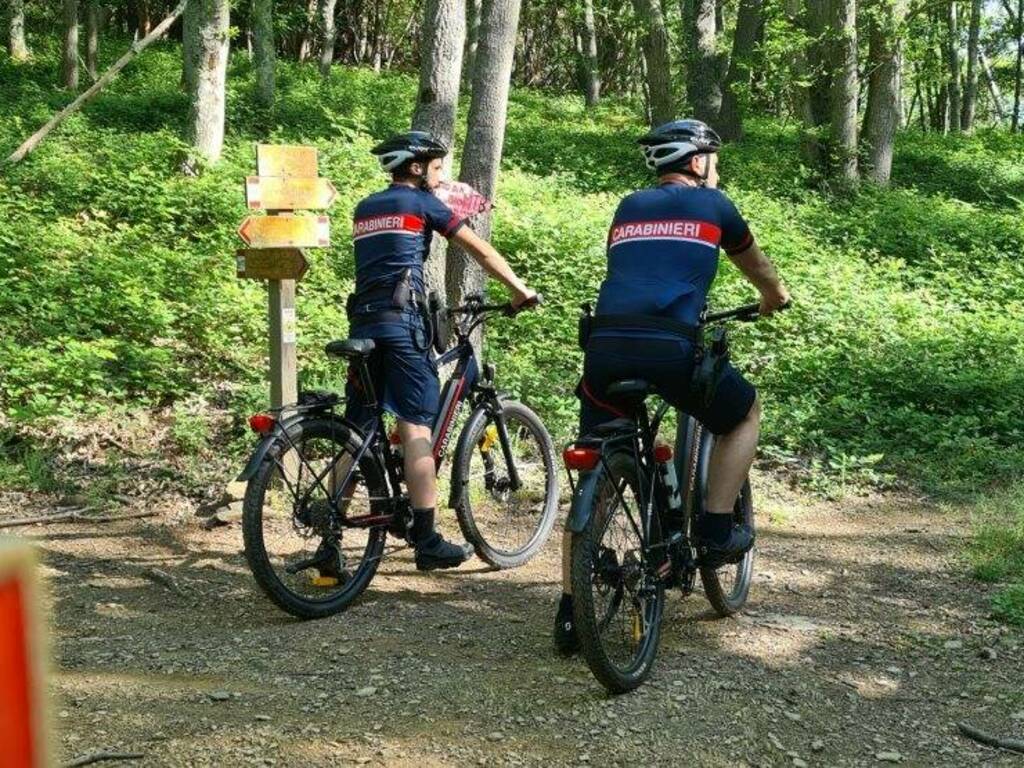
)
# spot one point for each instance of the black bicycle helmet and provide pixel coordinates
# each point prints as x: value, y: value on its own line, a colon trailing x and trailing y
x: 668, y: 147
x: 404, y: 147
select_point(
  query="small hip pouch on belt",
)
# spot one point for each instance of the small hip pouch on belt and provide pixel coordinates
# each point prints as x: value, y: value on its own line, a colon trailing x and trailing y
x: 712, y: 360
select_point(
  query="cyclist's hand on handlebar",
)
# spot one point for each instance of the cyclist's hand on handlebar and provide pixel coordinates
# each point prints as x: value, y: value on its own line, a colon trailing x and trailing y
x: 523, y: 300
x: 774, y: 299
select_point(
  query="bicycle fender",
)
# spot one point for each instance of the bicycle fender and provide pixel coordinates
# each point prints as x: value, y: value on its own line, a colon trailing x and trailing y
x: 583, y: 501
x: 273, y: 444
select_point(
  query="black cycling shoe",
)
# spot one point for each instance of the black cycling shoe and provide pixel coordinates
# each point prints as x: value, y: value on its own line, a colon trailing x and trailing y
x: 434, y: 552
x: 567, y: 642
x: 714, y: 554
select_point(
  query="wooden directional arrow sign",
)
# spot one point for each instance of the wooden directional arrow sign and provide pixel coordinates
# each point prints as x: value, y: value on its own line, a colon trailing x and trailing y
x: 271, y: 263
x: 285, y: 160
x: 286, y: 231
x: 283, y: 193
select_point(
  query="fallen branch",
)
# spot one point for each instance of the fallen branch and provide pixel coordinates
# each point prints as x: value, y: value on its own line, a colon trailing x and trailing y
x: 1013, y: 745
x: 98, y: 757
x: 73, y: 516
x: 138, y: 47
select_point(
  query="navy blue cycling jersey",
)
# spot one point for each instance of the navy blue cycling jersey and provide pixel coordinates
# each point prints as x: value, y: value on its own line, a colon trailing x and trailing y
x: 663, y: 251
x: 392, y: 230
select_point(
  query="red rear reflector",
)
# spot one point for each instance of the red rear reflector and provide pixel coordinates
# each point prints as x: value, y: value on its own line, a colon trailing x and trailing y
x: 261, y: 422
x: 582, y: 459
x: 662, y: 453
x: 394, y: 438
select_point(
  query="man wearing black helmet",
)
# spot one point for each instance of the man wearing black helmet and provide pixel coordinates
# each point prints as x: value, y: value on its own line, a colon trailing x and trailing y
x: 662, y: 258
x: 392, y: 232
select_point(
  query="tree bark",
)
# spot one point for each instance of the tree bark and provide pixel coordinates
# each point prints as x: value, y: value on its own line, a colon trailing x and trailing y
x: 327, y: 35
x: 190, y: 47
x: 882, y: 116
x: 703, y: 81
x: 590, y: 68
x: 437, y: 100
x: 92, y: 38
x: 748, y: 26
x: 485, y: 133
x: 843, y: 134
x: 1015, y: 125
x: 953, y: 62
x: 306, y: 43
x: 69, y: 66
x: 472, y: 38
x: 206, y: 117
x: 16, y: 45
x: 264, y: 50
x: 971, y: 84
x: 657, y: 61
x: 993, y: 87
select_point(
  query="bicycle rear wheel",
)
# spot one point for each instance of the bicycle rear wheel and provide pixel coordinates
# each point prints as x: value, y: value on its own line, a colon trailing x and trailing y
x: 506, y: 527
x: 300, y: 554
x: 617, y: 600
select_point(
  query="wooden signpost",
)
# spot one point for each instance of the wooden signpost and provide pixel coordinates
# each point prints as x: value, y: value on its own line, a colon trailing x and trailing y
x: 23, y: 723
x: 287, y: 182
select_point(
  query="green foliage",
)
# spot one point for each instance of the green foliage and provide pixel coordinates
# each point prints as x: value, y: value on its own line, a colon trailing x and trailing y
x: 997, y: 551
x: 902, y: 356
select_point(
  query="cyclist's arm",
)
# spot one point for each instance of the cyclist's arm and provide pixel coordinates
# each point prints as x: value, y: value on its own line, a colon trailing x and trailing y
x: 756, y: 267
x: 493, y: 263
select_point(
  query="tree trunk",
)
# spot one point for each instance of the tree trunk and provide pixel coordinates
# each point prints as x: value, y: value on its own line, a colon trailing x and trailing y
x: 437, y: 101
x: 953, y: 62
x: 748, y: 25
x: 306, y: 43
x: 485, y: 132
x: 16, y: 42
x: 843, y: 135
x: 206, y: 118
x: 590, y: 67
x: 882, y: 116
x: 993, y: 87
x: 145, y: 22
x: 327, y: 35
x: 656, y: 58
x: 971, y: 85
x: 703, y: 81
x: 69, y: 67
x: 190, y: 46
x: 92, y: 38
x: 1015, y: 125
x: 472, y: 38
x: 264, y: 50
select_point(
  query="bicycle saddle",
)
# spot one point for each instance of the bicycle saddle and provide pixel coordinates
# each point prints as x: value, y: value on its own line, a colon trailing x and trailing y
x: 629, y: 390
x: 612, y: 427
x: 350, y: 348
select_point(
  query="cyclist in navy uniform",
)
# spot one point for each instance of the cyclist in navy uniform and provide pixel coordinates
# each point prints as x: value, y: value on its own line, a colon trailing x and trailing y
x: 662, y: 258
x: 392, y: 232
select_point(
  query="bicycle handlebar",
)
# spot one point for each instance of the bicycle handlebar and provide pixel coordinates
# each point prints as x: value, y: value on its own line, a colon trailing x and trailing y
x: 748, y: 313
x: 475, y: 306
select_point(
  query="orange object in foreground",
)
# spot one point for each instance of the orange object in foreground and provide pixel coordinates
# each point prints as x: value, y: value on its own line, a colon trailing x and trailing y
x: 22, y: 707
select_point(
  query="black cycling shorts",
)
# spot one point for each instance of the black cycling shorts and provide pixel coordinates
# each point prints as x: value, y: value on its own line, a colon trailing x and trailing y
x: 668, y: 365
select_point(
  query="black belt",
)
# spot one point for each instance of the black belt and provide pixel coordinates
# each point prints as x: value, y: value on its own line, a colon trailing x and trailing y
x: 382, y: 316
x: 379, y: 300
x: 646, y: 323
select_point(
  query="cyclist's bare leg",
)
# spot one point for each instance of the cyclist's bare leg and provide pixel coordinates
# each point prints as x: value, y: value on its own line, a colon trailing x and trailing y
x: 420, y: 471
x: 730, y: 462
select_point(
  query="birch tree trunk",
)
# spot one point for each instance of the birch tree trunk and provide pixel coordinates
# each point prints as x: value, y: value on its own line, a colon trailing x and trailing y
x: 327, y: 35
x: 437, y: 100
x: 206, y: 118
x: 92, y: 38
x: 703, y: 81
x: 748, y: 25
x: 591, y: 69
x: 264, y: 50
x: 882, y: 117
x: 843, y: 134
x: 1015, y: 124
x: 993, y: 87
x: 69, y: 65
x: 953, y: 62
x: 657, y: 60
x: 16, y: 45
x: 485, y: 133
x: 971, y: 84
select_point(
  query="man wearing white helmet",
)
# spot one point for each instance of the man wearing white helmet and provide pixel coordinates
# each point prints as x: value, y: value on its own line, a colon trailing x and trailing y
x: 392, y: 230
x: 662, y: 258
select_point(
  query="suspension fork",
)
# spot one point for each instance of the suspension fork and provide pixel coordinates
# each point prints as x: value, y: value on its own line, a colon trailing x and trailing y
x: 506, y: 445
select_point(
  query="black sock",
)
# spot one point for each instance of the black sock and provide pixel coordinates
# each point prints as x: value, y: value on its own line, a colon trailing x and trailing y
x: 422, y: 524
x: 716, y: 527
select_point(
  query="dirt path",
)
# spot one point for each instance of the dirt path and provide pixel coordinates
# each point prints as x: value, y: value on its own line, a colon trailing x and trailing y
x: 864, y: 643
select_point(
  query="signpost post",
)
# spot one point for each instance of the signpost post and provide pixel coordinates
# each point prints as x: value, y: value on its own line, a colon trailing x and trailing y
x: 287, y: 181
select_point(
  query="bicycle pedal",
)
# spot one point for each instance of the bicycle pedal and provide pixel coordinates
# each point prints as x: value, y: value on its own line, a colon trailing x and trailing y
x: 323, y: 581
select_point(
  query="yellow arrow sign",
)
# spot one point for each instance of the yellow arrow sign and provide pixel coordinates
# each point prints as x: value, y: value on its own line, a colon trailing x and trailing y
x: 286, y: 160
x: 271, y: 264
x: 284, y: 193
x: 286, y: 231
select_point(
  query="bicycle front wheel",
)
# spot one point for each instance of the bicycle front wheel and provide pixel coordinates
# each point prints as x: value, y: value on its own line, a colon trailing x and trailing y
x: 617, y: 600
x: 302, y: 555
x: 506, y: 525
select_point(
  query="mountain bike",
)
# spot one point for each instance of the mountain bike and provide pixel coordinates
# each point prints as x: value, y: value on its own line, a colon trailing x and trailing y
x: 629, y: 544
x: 323, y: 493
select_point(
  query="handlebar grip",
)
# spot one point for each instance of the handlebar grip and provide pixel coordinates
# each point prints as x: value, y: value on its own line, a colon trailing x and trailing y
x: 534, y: 301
